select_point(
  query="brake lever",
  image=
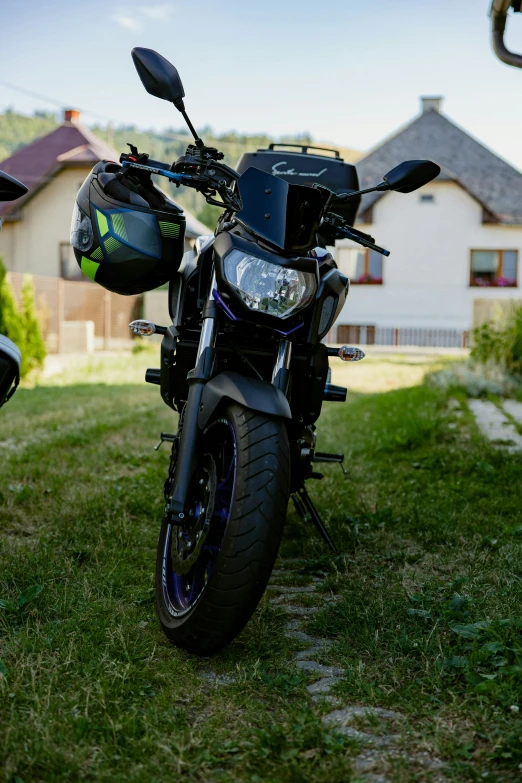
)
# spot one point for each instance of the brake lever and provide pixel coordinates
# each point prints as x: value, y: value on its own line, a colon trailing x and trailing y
x: 364, y: 242
x: 343, y: 230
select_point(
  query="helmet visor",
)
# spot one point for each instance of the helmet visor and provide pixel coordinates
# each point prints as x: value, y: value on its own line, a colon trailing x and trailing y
x: 82, y: 235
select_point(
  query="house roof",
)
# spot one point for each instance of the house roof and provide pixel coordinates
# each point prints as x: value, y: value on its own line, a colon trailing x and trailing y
x: 36, y: 163
x: 71, y: 144
x: 494, y: 183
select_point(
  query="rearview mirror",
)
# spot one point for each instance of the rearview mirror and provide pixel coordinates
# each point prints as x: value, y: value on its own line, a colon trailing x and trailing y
x: 411, y: 174
x: 10, y: 188
x: 158, y: 76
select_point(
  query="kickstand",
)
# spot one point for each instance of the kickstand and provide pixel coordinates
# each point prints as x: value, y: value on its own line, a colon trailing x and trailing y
x: 303, y: 504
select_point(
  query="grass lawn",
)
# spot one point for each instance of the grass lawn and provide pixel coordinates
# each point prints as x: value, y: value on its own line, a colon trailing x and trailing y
x: 428, y: 621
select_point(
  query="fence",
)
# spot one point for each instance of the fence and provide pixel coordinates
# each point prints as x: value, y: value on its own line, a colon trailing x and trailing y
x: 60, y: 301
x: 384, y: 335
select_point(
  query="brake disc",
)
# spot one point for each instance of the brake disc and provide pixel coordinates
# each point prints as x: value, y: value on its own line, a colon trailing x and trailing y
x: 188, y: 540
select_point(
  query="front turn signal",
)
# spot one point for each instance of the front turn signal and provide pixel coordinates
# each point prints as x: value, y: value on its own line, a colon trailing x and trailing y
x: 348, y: 353
x: 146, y: 328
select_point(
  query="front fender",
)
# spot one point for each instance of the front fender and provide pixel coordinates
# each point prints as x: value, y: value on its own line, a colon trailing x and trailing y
x: 252, y: 393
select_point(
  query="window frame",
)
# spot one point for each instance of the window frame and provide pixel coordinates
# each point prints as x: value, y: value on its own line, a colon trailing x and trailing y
x: 500, y: 269
x: 366, y: 273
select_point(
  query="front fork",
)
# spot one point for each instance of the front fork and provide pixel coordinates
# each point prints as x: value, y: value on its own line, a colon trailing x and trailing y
x: 186, y: 463
x: 190, y: 433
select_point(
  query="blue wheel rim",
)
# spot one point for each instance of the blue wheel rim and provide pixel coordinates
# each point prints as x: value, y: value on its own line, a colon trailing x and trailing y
x: 182, y: 591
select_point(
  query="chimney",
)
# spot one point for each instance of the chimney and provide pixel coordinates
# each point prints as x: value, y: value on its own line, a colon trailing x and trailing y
x: 431, y: 103
x: 71, y: 115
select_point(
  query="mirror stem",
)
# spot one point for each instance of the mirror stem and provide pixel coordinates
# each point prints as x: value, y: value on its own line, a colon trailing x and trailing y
x: 381, y: 186
x: 180, y: 106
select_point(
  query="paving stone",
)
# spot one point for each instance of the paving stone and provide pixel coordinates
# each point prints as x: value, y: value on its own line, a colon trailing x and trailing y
x: 318, y: 668
x: 320, y: 697
x: 379, y: 741
x: 294, y: 625
x: 323, y: 685
x: 289, y: 589
x: 218, y: 679
x: 367, y: 760
x: 303, y: 655
x: 280, y: 599
x: 349, y: 713
x: 425, y: 760
x: 372, y: 758
x: 301, y: 636
x: 302, y: 611
x: 494, y: 425
x: 514, y: 409
x: 340, y: 720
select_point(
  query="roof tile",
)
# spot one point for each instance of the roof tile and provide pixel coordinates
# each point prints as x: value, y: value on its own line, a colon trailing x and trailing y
x: 491, y: 180
x: 35, y: 163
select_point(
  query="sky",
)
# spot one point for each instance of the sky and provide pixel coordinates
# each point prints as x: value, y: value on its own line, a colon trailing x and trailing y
x: 346, y: 71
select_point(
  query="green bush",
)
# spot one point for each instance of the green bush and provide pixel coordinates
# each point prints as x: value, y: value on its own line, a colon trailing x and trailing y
x: 500, y: 343
x: 34, y: 352
x: 10, y: 320
x: 21, y: 325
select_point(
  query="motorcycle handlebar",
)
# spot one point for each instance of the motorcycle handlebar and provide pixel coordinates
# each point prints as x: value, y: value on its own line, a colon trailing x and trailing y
x: 207, y: 176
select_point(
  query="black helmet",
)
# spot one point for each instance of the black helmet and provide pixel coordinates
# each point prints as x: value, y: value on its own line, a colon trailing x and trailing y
x: 127, y: 235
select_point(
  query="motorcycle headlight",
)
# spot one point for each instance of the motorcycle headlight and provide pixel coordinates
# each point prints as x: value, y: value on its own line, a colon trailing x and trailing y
x: 268, y: 288
x: 82, y: 235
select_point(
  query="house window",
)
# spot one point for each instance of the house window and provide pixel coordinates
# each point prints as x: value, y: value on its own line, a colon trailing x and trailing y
x: 361, y: 265
x: 69, y: 268
x: 494, y: 268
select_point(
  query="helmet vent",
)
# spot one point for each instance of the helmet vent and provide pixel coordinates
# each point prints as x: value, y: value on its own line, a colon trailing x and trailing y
x: 111, y: 244
x: 118, y: 224
x: 169, y: 230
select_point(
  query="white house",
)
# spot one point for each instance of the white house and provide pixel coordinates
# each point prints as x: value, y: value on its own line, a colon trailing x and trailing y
x: 457, y: 239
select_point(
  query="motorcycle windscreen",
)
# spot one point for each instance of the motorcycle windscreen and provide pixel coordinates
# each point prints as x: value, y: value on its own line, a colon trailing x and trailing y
x: 284, y: 215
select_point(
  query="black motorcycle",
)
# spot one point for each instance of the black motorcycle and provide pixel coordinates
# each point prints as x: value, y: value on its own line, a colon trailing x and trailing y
x: 244, y: 365
x: 10, y: 356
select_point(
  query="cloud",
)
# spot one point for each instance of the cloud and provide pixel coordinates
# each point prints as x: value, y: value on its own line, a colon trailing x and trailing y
x: 157, y: 12
x: 128, y: 22
x: 143, y: 16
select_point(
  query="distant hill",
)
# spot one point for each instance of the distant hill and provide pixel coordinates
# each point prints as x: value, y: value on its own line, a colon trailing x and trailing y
x: 16, y: 130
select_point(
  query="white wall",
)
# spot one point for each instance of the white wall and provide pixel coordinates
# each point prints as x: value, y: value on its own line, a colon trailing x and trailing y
x: 32, y: 244
x: 426, y: 276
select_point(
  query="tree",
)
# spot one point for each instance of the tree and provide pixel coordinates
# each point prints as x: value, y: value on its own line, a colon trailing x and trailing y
x: 34, y: 349
x: 10, y: 320
x: 208, y: 215
x: 21, y: 325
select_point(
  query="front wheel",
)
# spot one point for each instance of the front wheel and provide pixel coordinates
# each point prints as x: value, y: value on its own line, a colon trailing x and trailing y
x: 211, y: 575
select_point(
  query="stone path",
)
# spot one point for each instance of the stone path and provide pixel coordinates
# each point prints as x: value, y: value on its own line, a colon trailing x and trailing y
x: 495, y: 425
x: 371, y: 763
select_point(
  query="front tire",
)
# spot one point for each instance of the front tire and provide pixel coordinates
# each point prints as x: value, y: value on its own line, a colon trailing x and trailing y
x: 204, y: 609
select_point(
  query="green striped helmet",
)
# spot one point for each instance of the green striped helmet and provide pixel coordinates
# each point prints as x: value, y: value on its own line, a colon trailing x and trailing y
x: 127, y: 235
